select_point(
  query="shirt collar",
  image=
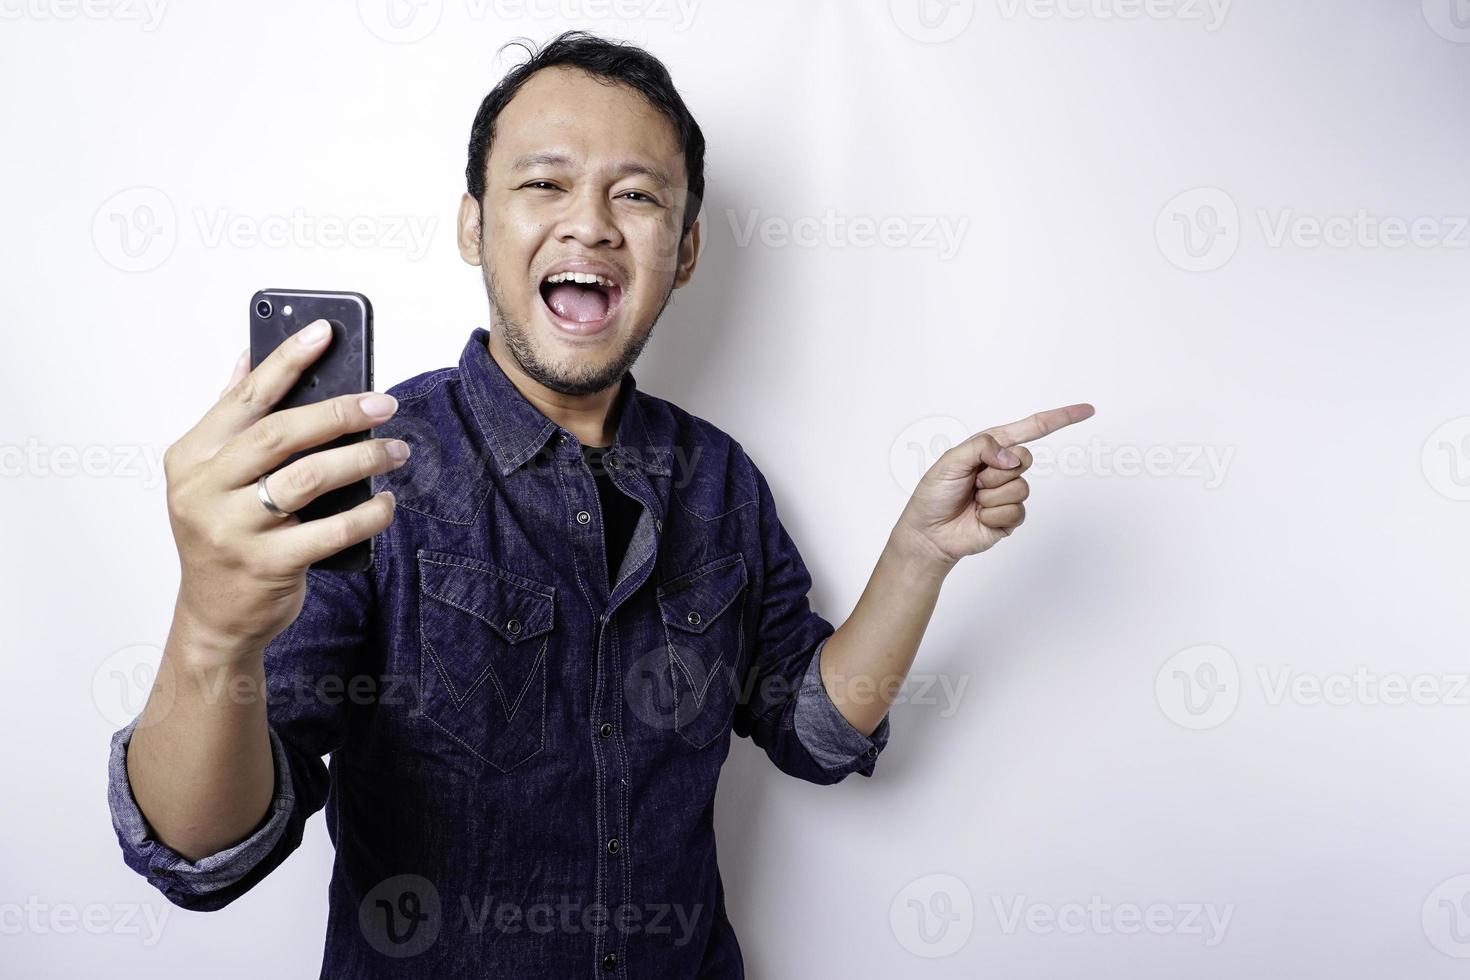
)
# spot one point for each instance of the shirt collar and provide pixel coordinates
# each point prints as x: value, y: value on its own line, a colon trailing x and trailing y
x: 516, y: 430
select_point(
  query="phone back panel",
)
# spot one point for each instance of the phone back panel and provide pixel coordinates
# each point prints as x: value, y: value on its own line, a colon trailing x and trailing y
x: 346, y: 367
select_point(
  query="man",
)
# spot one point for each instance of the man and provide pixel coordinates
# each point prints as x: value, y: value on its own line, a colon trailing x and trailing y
x: 578, y: 591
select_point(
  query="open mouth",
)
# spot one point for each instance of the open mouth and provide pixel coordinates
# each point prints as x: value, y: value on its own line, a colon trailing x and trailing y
x: 581, y: 302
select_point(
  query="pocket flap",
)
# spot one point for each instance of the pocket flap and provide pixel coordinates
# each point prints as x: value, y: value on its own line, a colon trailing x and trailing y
x: 694, y: 599
x: 516, y: 608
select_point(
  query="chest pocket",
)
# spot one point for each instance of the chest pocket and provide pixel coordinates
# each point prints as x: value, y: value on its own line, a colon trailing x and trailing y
x: 483, y: 634
x: 703, y: 616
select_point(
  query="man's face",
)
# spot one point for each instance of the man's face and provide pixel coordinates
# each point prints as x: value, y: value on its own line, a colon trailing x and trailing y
x: 584, y: 178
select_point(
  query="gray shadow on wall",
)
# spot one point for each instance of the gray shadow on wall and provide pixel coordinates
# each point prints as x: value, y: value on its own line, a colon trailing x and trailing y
x: 703, y: 326
x: 699, y: 329
x: 702, y: 321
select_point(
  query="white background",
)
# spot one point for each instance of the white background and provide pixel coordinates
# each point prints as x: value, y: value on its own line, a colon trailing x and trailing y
x: 1082, y: 762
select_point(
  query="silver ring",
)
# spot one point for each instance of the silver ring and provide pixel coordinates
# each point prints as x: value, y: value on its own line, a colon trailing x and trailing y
x: 265, y: 497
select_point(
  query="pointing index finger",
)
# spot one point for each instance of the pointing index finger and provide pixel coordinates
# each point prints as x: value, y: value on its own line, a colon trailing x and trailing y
x: 1040, y: 424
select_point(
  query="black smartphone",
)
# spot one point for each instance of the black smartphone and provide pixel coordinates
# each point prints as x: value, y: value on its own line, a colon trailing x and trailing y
x: 344, y: 368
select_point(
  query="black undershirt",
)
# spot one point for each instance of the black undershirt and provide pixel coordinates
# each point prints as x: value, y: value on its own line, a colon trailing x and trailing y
x: 619, y: 512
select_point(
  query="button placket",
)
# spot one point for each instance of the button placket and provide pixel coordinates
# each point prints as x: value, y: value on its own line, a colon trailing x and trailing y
x: 611, y: 775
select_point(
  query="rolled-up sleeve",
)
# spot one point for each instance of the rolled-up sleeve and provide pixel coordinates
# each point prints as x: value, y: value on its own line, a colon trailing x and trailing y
x: 330, y: 641
x: 827, y: 734
x: 192, y: 884
x: 784, y: 707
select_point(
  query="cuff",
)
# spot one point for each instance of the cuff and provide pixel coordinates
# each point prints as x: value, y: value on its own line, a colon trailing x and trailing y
x: 166, y: 869
x: 826, y: 734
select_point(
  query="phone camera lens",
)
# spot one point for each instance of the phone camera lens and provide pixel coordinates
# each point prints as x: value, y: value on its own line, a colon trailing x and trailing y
x: 263, y: 309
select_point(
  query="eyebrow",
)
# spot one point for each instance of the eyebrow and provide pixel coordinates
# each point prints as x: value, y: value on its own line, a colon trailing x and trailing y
x: 628, y: 168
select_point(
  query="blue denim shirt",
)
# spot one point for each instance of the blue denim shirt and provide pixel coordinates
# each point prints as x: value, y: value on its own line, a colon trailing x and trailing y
x: 524, y: 754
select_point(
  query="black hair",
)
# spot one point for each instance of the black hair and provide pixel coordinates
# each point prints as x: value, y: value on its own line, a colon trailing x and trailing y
x: 617, y: 62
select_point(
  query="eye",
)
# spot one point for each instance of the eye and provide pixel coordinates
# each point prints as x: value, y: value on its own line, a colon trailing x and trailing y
x: 643, y: 198
x: 540, y: 185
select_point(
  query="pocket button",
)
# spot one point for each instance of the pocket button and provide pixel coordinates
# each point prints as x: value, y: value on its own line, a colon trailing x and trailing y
x: 484, y: 633
x: 702, y: 610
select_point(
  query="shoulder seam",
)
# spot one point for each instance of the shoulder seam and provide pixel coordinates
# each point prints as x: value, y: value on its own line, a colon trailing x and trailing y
x: 437, y: 378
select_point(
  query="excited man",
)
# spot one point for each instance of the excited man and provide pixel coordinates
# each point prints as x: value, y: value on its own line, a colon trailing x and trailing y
x: 528, y: 697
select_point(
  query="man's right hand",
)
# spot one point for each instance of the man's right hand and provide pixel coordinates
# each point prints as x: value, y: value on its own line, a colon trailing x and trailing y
x: 243, y: 569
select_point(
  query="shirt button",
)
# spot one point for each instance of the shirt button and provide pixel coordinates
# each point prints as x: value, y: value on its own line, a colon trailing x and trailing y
x: 610, y: 961
x: 693, y: 617
x: 583, y: 517
x: 561, y: 438
x: 614, y: 462
x: 605, y: 729
x: 614, y: 846
x: 872, y: 752
x: 513, y: 627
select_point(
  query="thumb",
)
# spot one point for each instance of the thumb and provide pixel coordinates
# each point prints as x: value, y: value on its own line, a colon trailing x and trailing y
x: 242, y: 368
x: 980, y: 449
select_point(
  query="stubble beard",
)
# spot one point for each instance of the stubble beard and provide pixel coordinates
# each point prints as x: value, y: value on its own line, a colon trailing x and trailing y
x: 584, y: 380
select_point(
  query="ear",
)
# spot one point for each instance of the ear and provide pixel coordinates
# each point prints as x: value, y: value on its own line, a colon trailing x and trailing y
x: 468, y: 235
x: 688, y: 255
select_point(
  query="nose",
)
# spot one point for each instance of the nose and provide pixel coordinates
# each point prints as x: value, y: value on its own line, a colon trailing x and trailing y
x: 588, y: 220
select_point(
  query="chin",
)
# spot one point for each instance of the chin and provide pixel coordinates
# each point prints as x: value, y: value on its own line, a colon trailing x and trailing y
x: 568, y: 365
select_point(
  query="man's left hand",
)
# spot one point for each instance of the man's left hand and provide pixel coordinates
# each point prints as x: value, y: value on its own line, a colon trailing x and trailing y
x: 973, y: 495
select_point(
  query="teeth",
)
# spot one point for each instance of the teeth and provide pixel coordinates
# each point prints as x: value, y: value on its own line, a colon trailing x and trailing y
x: 581, y: 277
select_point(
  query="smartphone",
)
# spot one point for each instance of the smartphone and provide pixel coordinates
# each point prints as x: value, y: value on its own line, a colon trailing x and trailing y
x: 344, y: 368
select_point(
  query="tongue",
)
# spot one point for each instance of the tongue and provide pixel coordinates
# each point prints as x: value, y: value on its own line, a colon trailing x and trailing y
x: 583, y: 304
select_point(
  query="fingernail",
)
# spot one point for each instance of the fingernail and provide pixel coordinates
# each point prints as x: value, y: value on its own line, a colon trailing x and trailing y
x: 398, y: 450
x: 378, y: 405
x: 1007, y: 457
x: 314, y: 332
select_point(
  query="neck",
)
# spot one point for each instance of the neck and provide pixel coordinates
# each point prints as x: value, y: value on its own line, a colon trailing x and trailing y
x: 591, y: 418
